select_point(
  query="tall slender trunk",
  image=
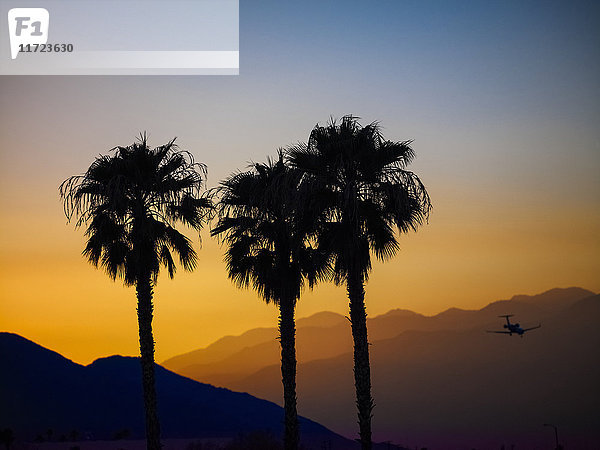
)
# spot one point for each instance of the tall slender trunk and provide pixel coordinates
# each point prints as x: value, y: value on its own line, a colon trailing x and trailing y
x: 362, y: 369
x: 145, y: 311
x: 287, y: 336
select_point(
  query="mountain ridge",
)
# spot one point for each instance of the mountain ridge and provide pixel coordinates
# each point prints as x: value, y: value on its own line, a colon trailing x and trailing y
x: 242, y: 357
x: 40, y: 390
x: 439, y: 367
x: 452, y: 383
x: 450, y: 349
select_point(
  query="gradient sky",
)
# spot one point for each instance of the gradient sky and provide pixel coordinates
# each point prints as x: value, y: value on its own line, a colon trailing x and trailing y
x: 502, y: 100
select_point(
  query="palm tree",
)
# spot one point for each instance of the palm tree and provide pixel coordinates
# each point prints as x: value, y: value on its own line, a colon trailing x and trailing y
x: 370, y: 194
x: 266, y: 222
x: 130, y: 201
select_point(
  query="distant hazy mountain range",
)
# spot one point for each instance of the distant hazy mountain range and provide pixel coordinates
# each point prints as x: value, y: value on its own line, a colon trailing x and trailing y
x: 438, y: 381
x: 41, y: 390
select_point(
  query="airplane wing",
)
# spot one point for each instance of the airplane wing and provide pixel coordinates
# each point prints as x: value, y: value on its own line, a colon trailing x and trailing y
x: 532, y: 328
x: 501, y: 332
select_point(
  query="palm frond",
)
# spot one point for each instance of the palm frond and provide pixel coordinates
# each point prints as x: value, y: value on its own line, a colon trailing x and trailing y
x: 366, y: 188
x: 130, y: 201
x: 266, y: 223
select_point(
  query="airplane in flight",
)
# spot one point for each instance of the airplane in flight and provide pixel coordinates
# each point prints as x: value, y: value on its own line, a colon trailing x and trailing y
x: 513, y: 327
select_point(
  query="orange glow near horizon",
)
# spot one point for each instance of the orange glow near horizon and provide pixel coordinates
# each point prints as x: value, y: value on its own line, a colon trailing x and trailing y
x: 51, y: 295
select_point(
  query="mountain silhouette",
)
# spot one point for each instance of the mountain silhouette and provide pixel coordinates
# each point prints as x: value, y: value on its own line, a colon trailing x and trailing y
x: 41, y: 390
x: 442, y: 381
x: 253, y: 349
x: 233, y: 358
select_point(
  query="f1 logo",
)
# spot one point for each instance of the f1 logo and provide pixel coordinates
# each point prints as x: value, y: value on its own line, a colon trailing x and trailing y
x: 27, y: 26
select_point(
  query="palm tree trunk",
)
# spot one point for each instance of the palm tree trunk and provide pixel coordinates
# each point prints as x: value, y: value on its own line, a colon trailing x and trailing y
x: 145, y: 311
x: 287, y: 337
x: 362, y: 369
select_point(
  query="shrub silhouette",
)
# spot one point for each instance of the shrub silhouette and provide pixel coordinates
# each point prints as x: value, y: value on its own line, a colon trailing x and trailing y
x: 257, y: 440
x: 7, y: 437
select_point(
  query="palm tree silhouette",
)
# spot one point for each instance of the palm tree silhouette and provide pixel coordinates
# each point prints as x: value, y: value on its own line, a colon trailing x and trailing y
x: 363, y: 178
x: 266, y: 222
x: 130, y: 202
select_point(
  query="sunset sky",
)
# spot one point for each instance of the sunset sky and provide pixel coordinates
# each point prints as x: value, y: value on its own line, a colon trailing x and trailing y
x: 502, y: 100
